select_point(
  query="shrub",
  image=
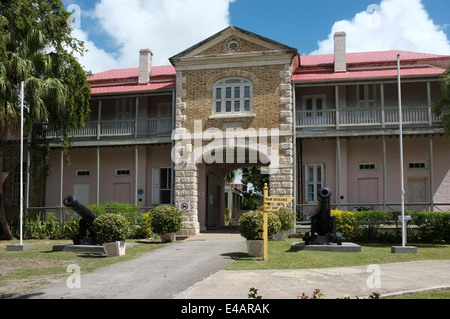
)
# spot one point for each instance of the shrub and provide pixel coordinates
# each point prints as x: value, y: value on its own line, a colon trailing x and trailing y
x: 130, y: 211
x: 251, y: 224
x: 369, y: 223
x: 68, y: 230
x: 433, y: 227
x: 227, y: 216
x: 111, y: 227
x: 274, y: 223
x: 144, y: 227
x: 37, y: 228
x: 98, y: 209
x: 287, y: 219
x: 373, y: 218
x: 346, y: 223
x: 166, y: 219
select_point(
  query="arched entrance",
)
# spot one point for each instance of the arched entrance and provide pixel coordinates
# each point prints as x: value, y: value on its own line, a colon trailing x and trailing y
x: 202, y: 182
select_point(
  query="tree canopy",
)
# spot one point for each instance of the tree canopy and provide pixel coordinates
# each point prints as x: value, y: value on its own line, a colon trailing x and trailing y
x: 253, y: 175
x: 37, y: 47
x: 442, y: 107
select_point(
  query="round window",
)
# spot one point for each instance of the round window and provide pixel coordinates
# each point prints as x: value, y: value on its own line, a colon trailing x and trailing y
x: 233, y: 45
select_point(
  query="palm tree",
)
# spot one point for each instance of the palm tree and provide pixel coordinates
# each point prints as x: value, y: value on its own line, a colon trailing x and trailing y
x: 56, y: 88
x: 442, y: 107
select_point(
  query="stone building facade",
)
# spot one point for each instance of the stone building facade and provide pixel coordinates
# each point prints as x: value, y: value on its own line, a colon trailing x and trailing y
x: 266, y: 66
x: 161, y: 135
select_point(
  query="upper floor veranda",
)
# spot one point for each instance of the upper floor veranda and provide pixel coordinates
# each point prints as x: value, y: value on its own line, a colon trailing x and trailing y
x: 369, y: 108
x: 340, y: 94
x: 366, y: 108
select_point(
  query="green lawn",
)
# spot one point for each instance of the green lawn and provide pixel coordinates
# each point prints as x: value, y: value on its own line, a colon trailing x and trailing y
x: 280, y: 256
x: 27, y: 270
x: 21, y: 272
x: 441, y: 294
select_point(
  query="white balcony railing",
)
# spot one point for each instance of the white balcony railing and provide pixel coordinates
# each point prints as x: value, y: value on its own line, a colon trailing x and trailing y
x: 146, y: 127
x: 365, y: 117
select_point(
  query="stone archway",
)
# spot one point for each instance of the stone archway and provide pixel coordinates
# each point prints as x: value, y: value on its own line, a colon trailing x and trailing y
x: 191, y: 182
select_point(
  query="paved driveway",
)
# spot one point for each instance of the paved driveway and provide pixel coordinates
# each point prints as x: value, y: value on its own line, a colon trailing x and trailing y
x: 161, y: 274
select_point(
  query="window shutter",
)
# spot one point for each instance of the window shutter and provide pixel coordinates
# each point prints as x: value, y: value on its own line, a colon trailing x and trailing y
x: 156, y: 173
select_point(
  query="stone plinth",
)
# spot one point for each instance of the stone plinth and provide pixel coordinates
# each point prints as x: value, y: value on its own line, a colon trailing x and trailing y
x: 344, y: 248
x: 18, y: 247
x: 403, y: 250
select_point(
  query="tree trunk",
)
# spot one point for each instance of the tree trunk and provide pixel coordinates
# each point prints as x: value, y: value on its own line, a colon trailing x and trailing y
x: 4, y: 223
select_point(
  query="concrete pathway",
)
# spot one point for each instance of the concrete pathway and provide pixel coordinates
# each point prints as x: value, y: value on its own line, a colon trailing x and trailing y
x: 192, y: 269
x: 161, y: 274
x: 359, y: 281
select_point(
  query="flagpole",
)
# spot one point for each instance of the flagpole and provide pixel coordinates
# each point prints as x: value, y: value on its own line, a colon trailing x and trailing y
x: 21, y: 160
x: 400, y: 118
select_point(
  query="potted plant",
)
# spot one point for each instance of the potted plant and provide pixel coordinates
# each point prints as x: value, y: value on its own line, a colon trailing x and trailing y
x: 166, y: 221
x: 227, y: 216
x: 251, y: 228
x: 287, y: 219
x: 112, y: 230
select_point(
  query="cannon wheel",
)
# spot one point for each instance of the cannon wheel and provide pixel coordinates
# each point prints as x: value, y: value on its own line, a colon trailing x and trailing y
x: 339, y: 239
x: 77, y: 240
x: 307, y: 239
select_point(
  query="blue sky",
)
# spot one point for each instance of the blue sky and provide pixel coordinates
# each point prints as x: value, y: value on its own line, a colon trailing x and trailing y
x: 115, y: 30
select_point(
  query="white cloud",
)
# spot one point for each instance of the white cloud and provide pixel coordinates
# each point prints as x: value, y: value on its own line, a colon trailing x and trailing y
x: 95, y: 59
x: 166, y: 27
x: 393, y: 24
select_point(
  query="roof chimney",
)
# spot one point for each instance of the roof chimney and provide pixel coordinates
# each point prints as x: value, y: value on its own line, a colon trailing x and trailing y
x: 340, y: 54
x: 145, y: 66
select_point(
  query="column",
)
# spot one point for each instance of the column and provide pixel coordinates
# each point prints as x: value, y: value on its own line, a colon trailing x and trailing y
x: 61, y: 181
x: 384, y: 173
x: 186, y: 189
x: 136, y: 174
x: 338, y: 171
x: 431, y: 170
x: 98, y: 175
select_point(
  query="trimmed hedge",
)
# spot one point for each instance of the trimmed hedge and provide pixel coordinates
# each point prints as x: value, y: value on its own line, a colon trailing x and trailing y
x: 367, y: 226
x: 111, y: 228
x: 166, y: 219
x: 251, y: 223
x: 49, y: 228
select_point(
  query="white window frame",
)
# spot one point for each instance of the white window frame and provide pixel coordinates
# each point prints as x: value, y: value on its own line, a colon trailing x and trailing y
x: 83, y: 173
x: 366, y: 101
x: 314, y: 181
x: 367, y: 166
x: 124, y: 109
x: 157, y: 188
x: 315, y: 111
x: 119, y: 172
x: 418, y: 165
x: 231, y: 96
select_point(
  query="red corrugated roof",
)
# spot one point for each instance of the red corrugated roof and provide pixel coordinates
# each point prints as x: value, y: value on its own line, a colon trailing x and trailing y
x: 369, y: 57
x: 370, y: 65
x: 133, y: 88
x: 125, y: 81
x: 314, y: 68
x: 167, y: 70
x: 365, y: 74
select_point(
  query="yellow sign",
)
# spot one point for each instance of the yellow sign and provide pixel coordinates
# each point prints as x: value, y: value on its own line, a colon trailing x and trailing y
x: 271, y: 208
x: 278, y: 199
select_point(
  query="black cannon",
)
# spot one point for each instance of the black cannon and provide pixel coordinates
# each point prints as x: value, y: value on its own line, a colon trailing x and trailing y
x: 86, y: 222
x: 323, y: 224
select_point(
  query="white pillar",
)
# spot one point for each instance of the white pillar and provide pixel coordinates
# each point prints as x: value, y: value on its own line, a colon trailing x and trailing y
x: 98, y: 175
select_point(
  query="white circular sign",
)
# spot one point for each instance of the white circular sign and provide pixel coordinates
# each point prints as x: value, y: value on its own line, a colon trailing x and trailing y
x: 185, y: 206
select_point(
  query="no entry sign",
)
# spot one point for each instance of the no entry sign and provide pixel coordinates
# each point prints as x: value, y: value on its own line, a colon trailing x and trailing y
x: 184, y: 205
